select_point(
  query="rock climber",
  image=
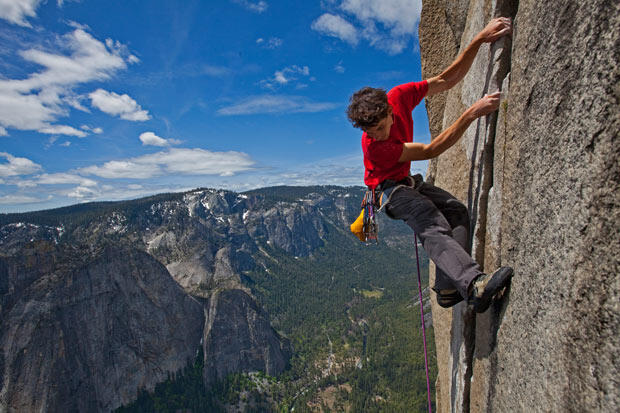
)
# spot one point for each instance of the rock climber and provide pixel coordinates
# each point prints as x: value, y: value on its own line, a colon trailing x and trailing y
x: 438, y: 218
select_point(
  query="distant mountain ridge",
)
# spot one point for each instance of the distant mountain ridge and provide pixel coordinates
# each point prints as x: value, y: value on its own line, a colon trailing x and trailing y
x: 88, y: 292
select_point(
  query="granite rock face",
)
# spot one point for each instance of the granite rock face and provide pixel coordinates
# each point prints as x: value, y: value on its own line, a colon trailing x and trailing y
x: 255, y: 346
x: 542, y: 184
x: 84, y: 330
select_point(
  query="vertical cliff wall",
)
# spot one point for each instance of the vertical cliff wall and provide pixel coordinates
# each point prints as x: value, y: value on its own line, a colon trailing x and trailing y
x: 83, y: 330
x: 541, y: 179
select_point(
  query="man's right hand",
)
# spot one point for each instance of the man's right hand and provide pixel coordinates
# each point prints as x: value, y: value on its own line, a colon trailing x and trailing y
x: 416, y: 151
x: 486, y: 105
x: 496, y: 28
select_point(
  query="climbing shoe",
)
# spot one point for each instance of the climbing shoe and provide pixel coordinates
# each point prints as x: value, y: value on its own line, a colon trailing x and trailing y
x: 486, y: 286
x: 448, y: 298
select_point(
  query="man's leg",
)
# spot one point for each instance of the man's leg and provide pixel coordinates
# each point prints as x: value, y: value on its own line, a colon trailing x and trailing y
x: 456, y: 267
x: 453, y: 210
x: 458, y: 217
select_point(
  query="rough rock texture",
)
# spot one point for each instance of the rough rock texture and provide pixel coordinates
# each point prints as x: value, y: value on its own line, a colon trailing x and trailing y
x: 208, y: 238
x: 239, y: 332
x: 85, y: 330
x: 542, y: 185
x: 440, y: 45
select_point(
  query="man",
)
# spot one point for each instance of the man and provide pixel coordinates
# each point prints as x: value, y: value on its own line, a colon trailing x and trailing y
x: 440, y: 220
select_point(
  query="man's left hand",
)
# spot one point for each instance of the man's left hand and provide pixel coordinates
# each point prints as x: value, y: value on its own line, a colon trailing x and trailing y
x: 496, y: 28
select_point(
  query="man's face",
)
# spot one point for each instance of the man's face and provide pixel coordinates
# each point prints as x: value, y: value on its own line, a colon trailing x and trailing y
x: 381, y: 131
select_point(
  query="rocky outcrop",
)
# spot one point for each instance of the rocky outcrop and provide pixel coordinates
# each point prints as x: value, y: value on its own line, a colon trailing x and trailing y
x: 85, y: 330
x: 232, y: 317
x: 208, y: 238
x: 542, y: 184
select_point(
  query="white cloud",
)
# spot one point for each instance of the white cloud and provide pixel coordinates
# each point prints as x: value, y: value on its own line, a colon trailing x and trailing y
x: 174, y: 161
x: 121, y: 105
x: 81, y: 192
x: 25, y: 112
x: 256, y: 6
x: 90, y: 60
x: 62, y: 2
x: 399, y: 16
x: 286, y: 75
x: 16, y: 11
x: 388, y: 25
x: 281, y: 75
x: 118, y: 192
x: 63, y: 178
x: 75, y: 102
x: 3, y: 132
x: 215, y: 71
x: 62, y: 130
x: 340, y: 170
x: 339, y: 68
x: 38, y: 100
x: 276, y: 104
x: 77, y: 25
x: 384, y: 41
x: 131, y: 168
x: 336, y: 26
x: 96, y: 130
x: 52, y: 139
x: 15, y: 199
x: 17, y: 166
x: 149, y: 138
x: 272, y: 43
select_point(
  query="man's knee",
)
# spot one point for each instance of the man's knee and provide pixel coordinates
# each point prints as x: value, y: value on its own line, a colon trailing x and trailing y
x: 457, y: 214
x: 430, y: 225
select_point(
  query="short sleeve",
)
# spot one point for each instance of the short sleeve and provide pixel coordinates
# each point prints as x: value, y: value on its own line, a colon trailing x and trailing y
x: 384, y: 154
x: 410, y: 94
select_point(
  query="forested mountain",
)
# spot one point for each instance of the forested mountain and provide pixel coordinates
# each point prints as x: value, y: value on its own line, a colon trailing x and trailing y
x: 209, y: 300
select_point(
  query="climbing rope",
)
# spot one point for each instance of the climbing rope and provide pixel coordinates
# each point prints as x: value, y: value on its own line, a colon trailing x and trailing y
x: 428, y: 382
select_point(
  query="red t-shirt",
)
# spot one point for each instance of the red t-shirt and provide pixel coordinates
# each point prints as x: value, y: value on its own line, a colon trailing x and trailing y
x: 381, y: 157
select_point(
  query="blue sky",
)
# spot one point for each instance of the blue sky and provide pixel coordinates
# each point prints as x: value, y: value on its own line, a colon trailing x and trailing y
x: 108, y: 100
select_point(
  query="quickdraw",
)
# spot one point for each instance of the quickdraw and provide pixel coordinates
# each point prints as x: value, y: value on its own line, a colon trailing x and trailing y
x: 370, y: 207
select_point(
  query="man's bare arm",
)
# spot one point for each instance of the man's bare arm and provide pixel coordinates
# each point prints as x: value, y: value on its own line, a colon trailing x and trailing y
x: 458, y: 69
x: 413, y: 151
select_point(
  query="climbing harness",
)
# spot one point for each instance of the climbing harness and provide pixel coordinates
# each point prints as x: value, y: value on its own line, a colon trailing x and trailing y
x: 428, y: 383
x: 375, y: 199
x: 389, y: 187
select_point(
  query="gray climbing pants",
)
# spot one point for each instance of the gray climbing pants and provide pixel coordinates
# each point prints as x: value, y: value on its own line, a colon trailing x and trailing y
x: 442, y: 225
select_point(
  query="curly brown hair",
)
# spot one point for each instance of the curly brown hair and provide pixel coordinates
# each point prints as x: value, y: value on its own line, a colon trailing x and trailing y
x: 367, y: 107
